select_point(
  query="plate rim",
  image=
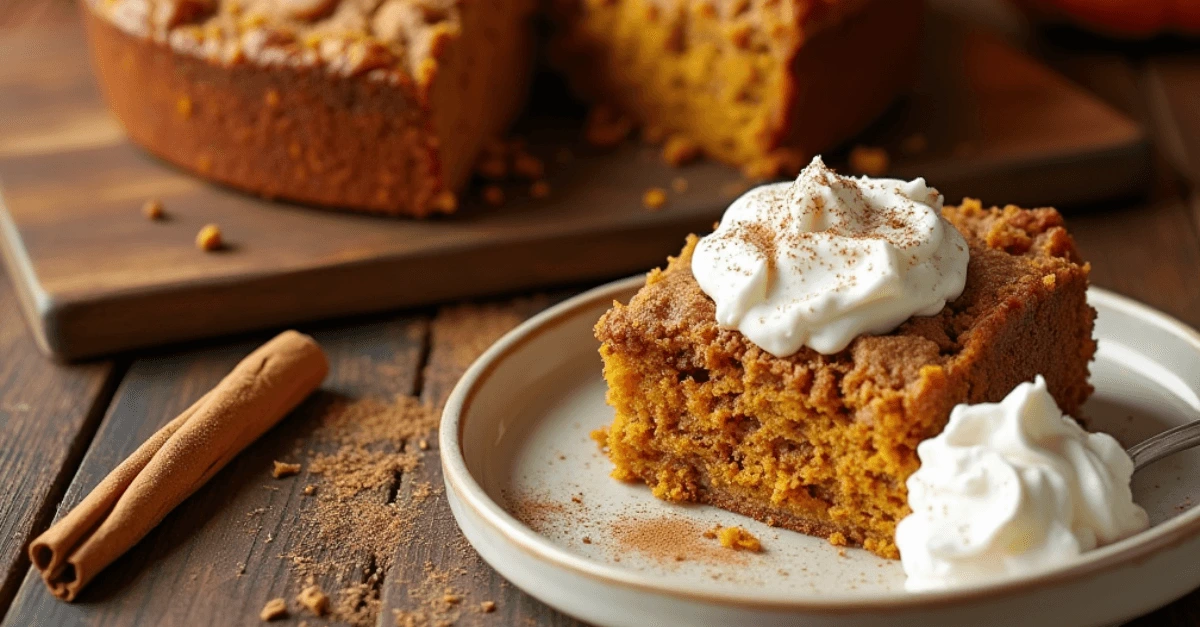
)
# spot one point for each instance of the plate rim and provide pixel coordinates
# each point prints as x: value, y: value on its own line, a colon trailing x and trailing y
x: 471, y: 494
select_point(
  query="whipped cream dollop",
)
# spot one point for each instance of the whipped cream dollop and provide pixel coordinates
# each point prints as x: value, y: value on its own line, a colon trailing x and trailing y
x: 826, y: 258
x: 1013, y: 487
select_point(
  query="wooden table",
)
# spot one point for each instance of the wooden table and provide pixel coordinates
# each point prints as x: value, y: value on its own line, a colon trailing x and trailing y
x: 62, y: 428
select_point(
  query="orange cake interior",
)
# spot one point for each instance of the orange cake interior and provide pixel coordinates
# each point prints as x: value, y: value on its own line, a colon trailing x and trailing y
x: 823, y: 444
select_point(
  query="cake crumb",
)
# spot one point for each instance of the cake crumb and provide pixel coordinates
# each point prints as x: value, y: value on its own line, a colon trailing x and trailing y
x: 914, y: 144
x: 275, y: 609
x: 869, y: 160
x: 711, y: 534
x: 493, y: 195
x: 487, y: 607
x: 600, y: 437
x: 679, y: 184
x: 738, y: 539
x: 539, y: 189
x: 653, y: 135
x: 153, y: 210
x: 183, y: 106
x: 423, y: 444
x: 606, y: 127
x: 451, y: 599
x: 284, y: 469
x: 209, y: 238
x: 314, y: 599
x: 837, y: 538
x: 426, y: 71
x: 492, y: 167
x: 680, y: 150
x: 654, y: 198
x: 528, y: 166
x: 446, y: 202
x: 1049, y: 280
x: 310, y: 490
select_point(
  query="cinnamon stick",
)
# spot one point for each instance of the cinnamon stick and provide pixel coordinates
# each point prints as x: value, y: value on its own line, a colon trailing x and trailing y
x: 175, y: 461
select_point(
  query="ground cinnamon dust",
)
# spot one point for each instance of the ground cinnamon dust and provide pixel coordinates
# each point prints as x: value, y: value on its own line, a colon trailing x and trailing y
x: 353, y: 464
x: 356, y: 458
x: 670, y: 538
x: 436, y: 601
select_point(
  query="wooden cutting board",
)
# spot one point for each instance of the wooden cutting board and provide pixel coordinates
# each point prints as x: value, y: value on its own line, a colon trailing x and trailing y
x: 96, y: 277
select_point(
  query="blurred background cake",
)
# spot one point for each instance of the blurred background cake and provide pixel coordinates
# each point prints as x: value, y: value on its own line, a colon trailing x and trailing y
x: 759, y: 84
x: 380, y: 106
x: 385, y: 106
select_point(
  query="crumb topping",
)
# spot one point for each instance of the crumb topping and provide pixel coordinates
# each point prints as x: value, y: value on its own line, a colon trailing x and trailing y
x: 390, y: 40
x: 1010, y: 249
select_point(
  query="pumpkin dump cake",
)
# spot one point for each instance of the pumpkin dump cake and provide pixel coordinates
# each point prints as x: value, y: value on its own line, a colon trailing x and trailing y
x: 385, y: 105
x: 381, y: 105
x: 754, y: 83
x: 853, y: 317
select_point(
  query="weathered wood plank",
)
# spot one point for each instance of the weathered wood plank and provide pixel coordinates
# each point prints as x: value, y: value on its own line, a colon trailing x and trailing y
x: 1169, y: 83
x: 48, y: 413
x: 225, y: 551
x: 1146, y: 248
x: 1149, y: 252
x: 458, y: 335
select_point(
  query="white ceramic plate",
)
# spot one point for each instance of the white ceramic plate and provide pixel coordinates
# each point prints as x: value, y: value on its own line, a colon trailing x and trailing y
x: 532, y: 493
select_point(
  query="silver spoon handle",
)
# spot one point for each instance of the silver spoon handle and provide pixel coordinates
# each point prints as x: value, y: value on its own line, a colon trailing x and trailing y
x: 1166, y: 443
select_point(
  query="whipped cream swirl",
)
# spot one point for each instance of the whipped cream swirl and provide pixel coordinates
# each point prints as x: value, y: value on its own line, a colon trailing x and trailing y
x: 1013, y: 487
x: 822, y: 260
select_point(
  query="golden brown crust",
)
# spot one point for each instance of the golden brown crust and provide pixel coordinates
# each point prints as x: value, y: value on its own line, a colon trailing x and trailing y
x: 334, y: 106
x: 760, y: 84
x: 824, y: 443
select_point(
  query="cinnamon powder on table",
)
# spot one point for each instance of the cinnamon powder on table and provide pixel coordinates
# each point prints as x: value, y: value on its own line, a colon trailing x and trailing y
x: 436, y: 602
x: 350, y: 515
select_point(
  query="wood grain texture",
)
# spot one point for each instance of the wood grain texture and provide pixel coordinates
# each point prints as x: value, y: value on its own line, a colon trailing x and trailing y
x: 1172, y: 86
x: 48, y: 414
x: 458, y: 335
x: 219, y: 556
x: 1128, y: 243
x: 1170, y: 83
x: 97, y: 277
